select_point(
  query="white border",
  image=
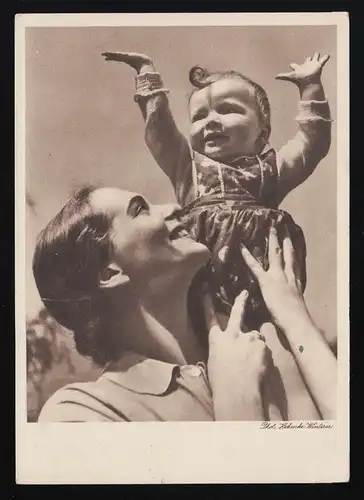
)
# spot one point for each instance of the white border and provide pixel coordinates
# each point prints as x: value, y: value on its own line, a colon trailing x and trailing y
x: 184, y: 452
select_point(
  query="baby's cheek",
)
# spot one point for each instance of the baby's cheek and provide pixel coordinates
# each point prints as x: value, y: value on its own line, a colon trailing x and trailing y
x: 244, y: 132
x: 196, y: 136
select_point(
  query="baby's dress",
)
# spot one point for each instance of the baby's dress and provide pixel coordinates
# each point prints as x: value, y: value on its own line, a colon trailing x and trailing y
x: 226, y: 205
x: 237, y: 204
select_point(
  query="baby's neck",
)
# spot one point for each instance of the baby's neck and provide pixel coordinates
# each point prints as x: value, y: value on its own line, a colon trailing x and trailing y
x: 237, y: 158
x: 231, y: 160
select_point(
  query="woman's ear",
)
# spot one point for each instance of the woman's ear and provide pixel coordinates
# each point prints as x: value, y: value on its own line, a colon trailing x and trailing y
x: 112, y: 276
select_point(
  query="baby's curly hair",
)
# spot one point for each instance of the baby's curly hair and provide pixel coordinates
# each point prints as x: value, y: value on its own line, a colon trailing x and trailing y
x: 200, y: 78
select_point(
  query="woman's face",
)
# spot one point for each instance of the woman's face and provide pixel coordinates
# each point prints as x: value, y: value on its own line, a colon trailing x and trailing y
x: 149, y: 240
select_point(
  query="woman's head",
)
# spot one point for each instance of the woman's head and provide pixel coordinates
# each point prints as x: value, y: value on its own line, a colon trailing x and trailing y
x: 70, y: 252
x: 229, y: 113
x: 102, y: 239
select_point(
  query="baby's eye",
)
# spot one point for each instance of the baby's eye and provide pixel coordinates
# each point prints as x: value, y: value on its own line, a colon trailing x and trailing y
x: 229, y: 108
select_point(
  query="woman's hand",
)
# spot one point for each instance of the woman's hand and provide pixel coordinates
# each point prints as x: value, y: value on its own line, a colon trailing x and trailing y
x: 306, y: 73
x: 281, y: 290
x: 140, y: 62
x: 236, y: 365
x: 282, y: 294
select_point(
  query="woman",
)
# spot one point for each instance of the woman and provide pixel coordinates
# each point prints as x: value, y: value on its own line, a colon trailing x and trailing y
x: 117, y: 271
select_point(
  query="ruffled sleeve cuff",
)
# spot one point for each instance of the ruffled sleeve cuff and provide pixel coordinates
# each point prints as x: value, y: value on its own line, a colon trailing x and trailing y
x: 309, y: 111
x: 147, y: 85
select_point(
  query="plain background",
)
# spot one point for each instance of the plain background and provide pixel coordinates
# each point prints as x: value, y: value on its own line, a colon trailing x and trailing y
x: 83, y: 126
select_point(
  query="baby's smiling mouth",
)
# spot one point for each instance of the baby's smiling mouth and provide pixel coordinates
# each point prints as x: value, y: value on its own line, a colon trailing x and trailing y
x: 215, y: 137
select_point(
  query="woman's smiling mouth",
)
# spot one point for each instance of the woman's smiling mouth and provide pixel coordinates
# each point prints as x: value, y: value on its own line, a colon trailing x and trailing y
x: 178, y: 232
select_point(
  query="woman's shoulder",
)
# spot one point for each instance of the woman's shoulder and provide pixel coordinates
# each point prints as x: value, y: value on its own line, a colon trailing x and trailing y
x: 76, y: 402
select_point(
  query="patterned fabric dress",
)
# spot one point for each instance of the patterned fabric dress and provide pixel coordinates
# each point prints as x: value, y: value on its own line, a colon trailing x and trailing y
x: 226, y: 205
x: 237, y: 204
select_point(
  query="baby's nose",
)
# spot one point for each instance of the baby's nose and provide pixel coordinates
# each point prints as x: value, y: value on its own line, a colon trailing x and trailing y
x: 213, y: 118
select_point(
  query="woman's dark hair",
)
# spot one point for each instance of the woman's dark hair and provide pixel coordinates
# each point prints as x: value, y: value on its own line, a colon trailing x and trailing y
x: 200, y: 78
x: 70, y: 252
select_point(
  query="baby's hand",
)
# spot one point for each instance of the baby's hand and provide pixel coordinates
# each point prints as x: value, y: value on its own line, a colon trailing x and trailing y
x: 137, y: 61
x: 307, y: 72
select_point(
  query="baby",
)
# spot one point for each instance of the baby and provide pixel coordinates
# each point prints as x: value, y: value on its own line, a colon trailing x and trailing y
x: 226, y: 178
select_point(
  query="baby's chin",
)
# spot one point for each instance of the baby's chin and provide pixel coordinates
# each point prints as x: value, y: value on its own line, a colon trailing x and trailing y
x: 220, y: 154
x: 215, y: 153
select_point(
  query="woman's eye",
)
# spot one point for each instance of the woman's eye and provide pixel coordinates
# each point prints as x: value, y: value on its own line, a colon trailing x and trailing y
x: 141, y: 209
x: 138, y: 206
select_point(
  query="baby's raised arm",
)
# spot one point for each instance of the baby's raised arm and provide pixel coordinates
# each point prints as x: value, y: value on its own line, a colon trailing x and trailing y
x: 298, y: 158
x: 168, y: 146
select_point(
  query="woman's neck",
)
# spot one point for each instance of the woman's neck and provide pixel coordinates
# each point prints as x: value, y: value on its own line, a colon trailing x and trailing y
x: 157, y: 325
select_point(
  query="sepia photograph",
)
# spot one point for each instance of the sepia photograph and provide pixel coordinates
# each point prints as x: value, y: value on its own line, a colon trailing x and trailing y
x: 182, y: 199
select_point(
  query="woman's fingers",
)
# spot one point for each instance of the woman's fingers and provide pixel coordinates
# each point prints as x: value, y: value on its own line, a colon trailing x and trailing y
x: 251, y: 262
x: 288, y: 256
x: 267, y: 330
x: 290, y: 262
x: 212, y: 322
x: 237, y: 314
x: 256, y: 335
x: 274, y: 249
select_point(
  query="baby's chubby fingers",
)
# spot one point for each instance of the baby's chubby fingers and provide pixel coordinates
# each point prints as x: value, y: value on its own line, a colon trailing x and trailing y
x: 114, y: 56
x: 285, y: 76
x: 132, y: 59
x: 126, y: 56
x: 323, y: 60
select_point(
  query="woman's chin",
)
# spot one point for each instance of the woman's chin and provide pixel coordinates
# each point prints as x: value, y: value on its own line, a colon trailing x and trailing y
x: 201, y: 256
x: 193, y: 251
x: 191, y: 246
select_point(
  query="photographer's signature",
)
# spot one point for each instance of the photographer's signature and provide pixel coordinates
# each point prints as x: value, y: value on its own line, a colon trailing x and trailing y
x: 295, y: 425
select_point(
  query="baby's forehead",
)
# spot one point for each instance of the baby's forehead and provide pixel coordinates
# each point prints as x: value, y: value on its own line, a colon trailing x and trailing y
x: 227, y: 88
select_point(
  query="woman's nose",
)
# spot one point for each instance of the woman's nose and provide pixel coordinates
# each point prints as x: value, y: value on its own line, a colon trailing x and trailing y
x: 169, y: 211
